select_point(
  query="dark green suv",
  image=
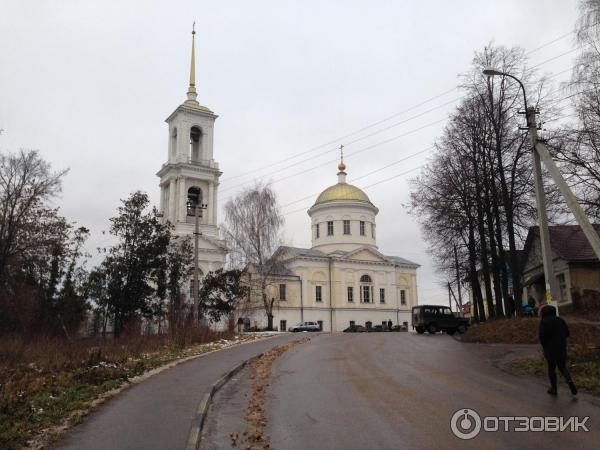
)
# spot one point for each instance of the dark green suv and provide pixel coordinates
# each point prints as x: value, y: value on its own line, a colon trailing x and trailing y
x: 434, y: 318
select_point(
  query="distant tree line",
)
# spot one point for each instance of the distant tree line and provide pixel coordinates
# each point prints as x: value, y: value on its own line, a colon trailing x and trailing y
x: 476, y: 196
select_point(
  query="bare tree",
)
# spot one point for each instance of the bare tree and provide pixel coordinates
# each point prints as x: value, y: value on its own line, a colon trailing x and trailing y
x: 577, y: 148
x: 26, y: 184
x: 252, y: 229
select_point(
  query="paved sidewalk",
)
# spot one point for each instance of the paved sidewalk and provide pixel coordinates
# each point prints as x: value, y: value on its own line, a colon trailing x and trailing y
x: 157, y: 413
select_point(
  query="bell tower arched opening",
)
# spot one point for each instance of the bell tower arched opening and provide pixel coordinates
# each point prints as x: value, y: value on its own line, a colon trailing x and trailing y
x: 194, y: 199
x: 195, y: 144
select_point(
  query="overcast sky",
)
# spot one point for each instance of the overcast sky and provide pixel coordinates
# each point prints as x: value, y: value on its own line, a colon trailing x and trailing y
x: 89, y: 84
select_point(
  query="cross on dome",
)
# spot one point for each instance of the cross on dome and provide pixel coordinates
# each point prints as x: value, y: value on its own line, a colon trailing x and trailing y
x: 341, y: 165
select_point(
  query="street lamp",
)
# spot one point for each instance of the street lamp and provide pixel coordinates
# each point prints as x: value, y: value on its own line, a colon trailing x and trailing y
x: 490, y: 72
x: 551, y: 288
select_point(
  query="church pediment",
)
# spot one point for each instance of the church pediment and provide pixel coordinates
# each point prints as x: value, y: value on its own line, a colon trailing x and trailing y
x: 366, y: 254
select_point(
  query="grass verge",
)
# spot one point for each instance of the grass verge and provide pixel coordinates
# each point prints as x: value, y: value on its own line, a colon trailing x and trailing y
x: 48, y: 385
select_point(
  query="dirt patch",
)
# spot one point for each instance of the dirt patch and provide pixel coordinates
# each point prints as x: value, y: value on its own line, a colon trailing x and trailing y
x: 254, y: 438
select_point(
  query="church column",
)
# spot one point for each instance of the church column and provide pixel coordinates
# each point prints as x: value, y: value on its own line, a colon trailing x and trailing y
x: 211, y: 203
x: 171, y: 205
x: 181, y: 200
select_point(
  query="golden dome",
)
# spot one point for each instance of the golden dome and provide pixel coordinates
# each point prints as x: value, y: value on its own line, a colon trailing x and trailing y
x: 342, y: 191
x: 341, y: 166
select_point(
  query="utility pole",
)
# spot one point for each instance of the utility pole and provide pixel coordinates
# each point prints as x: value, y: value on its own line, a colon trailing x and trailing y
x: 540, y: 196
x: 540, y: 151
x: 195, y: 288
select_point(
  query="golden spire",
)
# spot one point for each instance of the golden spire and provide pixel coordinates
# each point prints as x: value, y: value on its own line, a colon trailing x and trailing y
x: 191, y: 93
x: 341, y: 165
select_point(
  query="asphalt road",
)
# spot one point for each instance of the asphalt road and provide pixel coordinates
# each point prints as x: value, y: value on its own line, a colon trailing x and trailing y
x: 157, y: 413
x: 397, y: 390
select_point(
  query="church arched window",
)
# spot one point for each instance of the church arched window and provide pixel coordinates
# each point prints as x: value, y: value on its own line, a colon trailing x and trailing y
x: 194, y: 199
x: 195, y: 141
x: 366, y: 289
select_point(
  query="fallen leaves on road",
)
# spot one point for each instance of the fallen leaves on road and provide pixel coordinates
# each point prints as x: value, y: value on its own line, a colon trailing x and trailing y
x: 260, y: 372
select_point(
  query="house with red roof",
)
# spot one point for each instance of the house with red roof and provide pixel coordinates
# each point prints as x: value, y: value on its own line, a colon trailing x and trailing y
x: 576, y: 267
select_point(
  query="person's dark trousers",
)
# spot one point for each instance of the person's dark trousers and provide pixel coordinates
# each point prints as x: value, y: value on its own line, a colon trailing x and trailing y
x: 562, y: 367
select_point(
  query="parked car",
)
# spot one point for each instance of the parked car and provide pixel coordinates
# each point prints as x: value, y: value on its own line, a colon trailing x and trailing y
x: 305, y: 326
x: 434, y: 318
x: 355, y: 329
x: 399, y: 328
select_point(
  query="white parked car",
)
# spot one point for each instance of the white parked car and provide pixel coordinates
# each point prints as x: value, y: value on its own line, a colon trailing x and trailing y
x: 305, y: 326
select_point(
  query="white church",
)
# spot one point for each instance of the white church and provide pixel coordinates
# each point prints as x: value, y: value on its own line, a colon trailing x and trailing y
x: 342, y: 279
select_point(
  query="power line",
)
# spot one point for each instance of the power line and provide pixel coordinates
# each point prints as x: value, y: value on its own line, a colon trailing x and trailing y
x: 385, y: 166
x: 364, y: 187
x: 374, y: 133
x: 398, y: 114
x: 374, y: 124
x: 346, y: 144
x: 366, y: 174
x: 386, y: 141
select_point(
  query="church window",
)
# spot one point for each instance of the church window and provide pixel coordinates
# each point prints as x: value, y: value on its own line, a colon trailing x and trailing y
x: 381, y: 295
x: 282, y: 292
x: 330, y: 228
x: 366, y: 289
x: 346, y: 227
x: 350, y: 294
x: 403, y: 297
x: 362, y: 227
x: 195, y: 141
x: 318, y: 294
x: 194, y: 199
x: 317, y: 228
x: 366, y: 294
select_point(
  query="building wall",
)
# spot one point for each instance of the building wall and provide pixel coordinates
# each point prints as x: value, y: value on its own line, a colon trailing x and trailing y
x: 301, y: 301
x: 584, y: 277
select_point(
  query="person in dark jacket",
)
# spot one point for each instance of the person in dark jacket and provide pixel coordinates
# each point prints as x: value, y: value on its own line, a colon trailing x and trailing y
x: 389, y: 324
x: 553, y: 337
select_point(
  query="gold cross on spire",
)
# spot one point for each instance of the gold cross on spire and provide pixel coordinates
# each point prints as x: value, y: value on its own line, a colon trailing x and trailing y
x: 341, y: 165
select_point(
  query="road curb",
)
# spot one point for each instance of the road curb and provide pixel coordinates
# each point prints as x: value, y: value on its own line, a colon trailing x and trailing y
x: 195, y: 434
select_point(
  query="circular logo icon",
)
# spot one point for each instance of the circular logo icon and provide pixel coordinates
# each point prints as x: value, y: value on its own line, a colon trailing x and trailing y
x: 465, y: 423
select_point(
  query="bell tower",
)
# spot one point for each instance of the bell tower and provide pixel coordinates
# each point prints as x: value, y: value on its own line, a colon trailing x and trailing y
x: 189, y: 180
